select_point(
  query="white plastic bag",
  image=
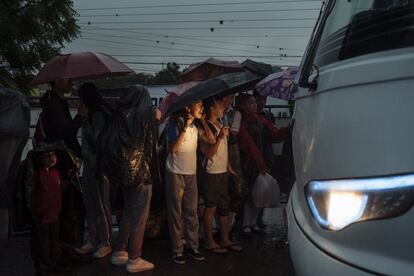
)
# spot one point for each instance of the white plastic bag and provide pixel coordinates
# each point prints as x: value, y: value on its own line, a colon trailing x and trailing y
x: 266, y: 191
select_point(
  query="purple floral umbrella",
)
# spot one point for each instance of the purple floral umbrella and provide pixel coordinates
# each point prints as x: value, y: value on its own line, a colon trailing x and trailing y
x: 279, y: 84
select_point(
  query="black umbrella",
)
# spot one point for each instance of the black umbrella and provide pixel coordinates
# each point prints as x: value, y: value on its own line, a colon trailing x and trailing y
x: 227, y: 83
x: 260, y: 68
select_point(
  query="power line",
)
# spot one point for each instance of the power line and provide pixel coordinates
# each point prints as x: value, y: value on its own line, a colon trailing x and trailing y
x: 151, y: 63
x: 212, y: 29
x: 111, y: 47
x: 190, y: 44
x: 194, y: 12
x: 196, y: 45
x: 200, y: 56
x: 185, y: 56
x: 198, y: 21
x: 148, y: 46
x: 188, y: 50
x: 197, y: 5
x: 208, y: 40
x: 145, y: 70
x: 251, y: 36
x: 185, y: 64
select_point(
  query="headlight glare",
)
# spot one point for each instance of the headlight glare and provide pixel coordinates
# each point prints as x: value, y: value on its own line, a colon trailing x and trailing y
x: 336, y: 204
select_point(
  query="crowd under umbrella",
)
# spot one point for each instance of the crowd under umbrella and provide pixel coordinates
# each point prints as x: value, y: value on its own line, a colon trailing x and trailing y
x: 78, y: 66
x: 223, y: 84
x: 210, y: 68
x: 279, y: 85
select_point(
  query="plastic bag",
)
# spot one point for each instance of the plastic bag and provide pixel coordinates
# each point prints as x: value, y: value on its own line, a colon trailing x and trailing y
x: 266, y: 191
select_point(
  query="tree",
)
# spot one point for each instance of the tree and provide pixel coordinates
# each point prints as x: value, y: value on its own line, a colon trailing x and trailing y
x: 170, y: 75
x: 31, y: 33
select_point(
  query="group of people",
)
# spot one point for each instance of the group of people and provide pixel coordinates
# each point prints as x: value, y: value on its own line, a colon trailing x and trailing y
x: 211, y: 147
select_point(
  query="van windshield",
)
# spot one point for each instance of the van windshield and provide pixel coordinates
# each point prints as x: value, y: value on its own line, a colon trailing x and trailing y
x: 358, y: 27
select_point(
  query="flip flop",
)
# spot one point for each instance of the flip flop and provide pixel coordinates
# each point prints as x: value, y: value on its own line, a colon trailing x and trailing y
x: 217, y: 250
x: 234, y: 246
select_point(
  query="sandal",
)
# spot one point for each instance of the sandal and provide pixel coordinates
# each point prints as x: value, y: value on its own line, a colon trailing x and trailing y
x: 217, y: 250
x: 234, y: 246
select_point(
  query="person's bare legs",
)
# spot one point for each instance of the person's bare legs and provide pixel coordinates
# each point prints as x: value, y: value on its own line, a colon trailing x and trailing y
x: 208, y: 228
x: 224, y: 233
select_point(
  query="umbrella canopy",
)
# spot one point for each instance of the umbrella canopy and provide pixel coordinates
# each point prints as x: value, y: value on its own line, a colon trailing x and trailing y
x: 167, y: 102
x: 84, y: 65
x: 260, y: 68
x: 172, y: 95
x: 210, y: 68
x: 227, y: 83
x: 279, y: 85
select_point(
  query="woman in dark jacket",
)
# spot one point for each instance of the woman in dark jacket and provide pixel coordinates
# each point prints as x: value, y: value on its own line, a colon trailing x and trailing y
x: 256, y: 136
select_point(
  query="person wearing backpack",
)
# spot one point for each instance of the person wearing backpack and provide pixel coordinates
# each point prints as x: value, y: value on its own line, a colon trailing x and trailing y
x: 129, y: 160
x: 215, y: 186
x: 181, y: 179
x: 95, y: 187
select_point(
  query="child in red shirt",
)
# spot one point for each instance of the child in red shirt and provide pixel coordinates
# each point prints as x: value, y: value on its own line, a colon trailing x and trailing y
x: 46, y: 199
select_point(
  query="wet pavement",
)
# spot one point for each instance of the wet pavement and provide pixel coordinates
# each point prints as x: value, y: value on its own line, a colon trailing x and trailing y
x: 263, y: 254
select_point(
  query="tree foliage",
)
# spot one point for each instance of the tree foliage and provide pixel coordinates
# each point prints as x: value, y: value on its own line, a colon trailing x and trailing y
x: 31, y: 33
x: 170, y: 75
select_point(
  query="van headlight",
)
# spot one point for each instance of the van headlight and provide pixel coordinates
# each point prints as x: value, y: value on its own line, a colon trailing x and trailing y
x: 336, y: 204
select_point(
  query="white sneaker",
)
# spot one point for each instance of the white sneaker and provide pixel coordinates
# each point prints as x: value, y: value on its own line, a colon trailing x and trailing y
x: 256, y: 229
x: 119, y: 258
x: 102, y: 251
x: 138, y: 265
x: 85, y: 249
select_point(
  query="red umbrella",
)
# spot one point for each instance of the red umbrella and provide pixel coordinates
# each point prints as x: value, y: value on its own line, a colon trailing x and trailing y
x: 85, y: 65
x: 210, y: 68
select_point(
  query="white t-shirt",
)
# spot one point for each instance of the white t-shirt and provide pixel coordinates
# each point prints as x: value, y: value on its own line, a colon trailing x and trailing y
x: 235, y: 126
x: 184, y: 161
x: 218, y: 163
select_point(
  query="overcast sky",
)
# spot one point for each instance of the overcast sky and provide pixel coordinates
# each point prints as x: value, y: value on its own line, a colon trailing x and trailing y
x: 146, y: 33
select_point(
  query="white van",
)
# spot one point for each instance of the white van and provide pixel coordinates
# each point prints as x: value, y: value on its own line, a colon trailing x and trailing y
x: 350, y: 210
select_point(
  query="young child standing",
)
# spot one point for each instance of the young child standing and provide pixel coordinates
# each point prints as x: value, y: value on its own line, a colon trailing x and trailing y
x: 217, y: 168
x: 44, y: 193
x: 181, y: 180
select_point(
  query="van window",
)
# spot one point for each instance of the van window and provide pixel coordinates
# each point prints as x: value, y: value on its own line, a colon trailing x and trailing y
x: 359, y: 27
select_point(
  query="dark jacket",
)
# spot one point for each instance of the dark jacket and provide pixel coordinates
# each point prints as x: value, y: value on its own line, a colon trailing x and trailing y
x: 68, y: 165
x: 58, y: 123
x: 128, y: 145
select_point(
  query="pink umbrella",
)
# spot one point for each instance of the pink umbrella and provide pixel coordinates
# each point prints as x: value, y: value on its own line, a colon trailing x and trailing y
x: 279, y: 84
x: 85, y: 65
x: 167, y: 101
x: 172, y: 95
x: 210, y: 68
